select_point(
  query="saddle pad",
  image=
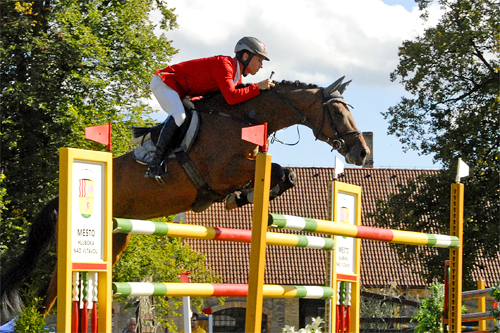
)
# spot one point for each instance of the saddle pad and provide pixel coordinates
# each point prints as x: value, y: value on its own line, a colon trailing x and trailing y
x: 145, y: 152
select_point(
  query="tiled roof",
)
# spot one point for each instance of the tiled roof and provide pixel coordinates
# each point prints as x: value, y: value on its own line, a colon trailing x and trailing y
x: 380, y: 265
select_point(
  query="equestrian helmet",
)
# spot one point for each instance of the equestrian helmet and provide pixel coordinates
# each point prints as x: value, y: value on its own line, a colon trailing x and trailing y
x: 253, y: 45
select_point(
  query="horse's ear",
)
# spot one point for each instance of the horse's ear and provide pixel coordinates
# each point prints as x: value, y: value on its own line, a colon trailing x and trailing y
x: 344, y: 86
x: 332, y: 87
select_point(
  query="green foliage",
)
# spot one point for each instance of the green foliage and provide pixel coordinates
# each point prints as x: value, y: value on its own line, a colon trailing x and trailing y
x: 67, y: 65
x: 495, y: 313
x: 30, y: 320
x: 3, y: 192
x: 453, y: 72
x: 429, y: 317
x: 161, y: 259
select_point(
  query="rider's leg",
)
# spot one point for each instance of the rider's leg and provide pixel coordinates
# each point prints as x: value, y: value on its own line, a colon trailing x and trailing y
x: 169, y: 100
x: 156, y: 168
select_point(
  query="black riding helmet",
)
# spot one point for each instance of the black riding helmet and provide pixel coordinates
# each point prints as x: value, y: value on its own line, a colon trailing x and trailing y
x: 252, y: 46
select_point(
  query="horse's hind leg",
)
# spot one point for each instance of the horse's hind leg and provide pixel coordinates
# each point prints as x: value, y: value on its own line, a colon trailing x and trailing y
x: 50, y: 295
x: 120, y: 243
x: 282, y: 179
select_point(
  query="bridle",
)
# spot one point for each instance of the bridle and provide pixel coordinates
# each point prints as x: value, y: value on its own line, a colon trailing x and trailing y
x: 337, y: 143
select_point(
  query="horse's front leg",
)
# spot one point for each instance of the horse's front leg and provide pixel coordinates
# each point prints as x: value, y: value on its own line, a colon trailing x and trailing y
x: 282, y: 179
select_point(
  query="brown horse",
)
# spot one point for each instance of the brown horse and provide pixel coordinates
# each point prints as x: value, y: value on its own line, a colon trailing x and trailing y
x: 225, y: 162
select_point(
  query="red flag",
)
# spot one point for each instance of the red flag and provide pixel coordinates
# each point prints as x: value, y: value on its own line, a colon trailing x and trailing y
x: 101, y: 134
x: 207, y: 311
x: 184, y: 277
x: 256, y: 134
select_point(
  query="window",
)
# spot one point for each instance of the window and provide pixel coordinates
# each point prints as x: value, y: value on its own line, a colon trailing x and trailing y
x: 232, y: 320
x: 310, y: 308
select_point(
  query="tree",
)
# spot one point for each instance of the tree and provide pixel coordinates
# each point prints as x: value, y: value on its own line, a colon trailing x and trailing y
x: 453, y: 73
x: 66, y: 65
x: 430, y: 314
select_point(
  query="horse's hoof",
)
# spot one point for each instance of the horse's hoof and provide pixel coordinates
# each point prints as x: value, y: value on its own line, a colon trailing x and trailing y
x: 231, y: 201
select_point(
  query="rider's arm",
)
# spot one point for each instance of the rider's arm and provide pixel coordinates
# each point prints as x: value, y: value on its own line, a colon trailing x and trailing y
x: 223, y: 73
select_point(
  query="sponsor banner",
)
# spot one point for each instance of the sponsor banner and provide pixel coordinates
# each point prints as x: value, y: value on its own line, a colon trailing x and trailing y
x: 87, y: 213
x: 346, y: 210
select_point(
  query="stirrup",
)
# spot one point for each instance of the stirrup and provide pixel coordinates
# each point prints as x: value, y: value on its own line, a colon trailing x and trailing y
x: 154, y: 171
x: 159, y: 179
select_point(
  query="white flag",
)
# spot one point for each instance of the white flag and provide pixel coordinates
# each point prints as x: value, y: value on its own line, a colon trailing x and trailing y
x: 180, y: 218
x: 339, y: 168
x: 463, y: 169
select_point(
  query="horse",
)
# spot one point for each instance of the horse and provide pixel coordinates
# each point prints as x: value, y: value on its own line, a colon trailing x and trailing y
x: 224, y: 162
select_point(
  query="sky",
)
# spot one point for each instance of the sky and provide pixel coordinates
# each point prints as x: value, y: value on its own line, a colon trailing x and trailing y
x: 314, y: 41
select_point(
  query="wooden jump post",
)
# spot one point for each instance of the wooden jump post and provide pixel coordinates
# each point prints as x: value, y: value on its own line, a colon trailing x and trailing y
x: 480, y: 294
x: 84, y: 238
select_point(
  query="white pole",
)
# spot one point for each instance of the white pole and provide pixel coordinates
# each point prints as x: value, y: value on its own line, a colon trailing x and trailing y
x: 186, y: 310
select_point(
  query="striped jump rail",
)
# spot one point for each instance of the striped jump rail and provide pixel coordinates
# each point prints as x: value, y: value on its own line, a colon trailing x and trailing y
x: 476, y: 316
x: 357, y: 231
x: 174, y: 289
x: 472, y: 294
x: 222, y: 234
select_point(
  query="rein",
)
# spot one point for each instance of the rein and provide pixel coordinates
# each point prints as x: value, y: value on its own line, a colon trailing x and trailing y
x: 336, y: 143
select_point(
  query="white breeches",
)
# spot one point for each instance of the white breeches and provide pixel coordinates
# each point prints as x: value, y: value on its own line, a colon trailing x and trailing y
x: 169, y: 99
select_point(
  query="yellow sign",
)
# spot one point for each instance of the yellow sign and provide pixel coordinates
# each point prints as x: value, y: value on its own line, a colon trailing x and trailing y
x: 84, y: 231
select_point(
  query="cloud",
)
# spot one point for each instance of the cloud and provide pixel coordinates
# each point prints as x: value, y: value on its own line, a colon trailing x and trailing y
x: 312, y: 41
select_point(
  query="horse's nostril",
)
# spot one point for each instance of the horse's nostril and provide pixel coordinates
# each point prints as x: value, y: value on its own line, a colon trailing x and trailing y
x: 363, y: 153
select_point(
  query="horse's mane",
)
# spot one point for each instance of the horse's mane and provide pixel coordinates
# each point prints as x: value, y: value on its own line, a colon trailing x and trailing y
x: 298, y: 84
x: 295, y: 84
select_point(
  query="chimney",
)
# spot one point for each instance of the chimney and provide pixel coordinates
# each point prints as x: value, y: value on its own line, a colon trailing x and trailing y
x: 369, y: 142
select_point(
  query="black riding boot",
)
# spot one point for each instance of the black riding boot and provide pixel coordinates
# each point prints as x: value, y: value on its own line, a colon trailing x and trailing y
x: 156, y: 169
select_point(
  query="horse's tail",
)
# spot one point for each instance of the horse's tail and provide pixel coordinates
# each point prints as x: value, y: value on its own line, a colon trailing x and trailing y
x: 138, y: 132
x: 143, y: 134
x: 41, y: 234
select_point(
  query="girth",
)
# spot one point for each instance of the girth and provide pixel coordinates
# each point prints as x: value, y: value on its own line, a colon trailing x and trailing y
x: 206, y: 196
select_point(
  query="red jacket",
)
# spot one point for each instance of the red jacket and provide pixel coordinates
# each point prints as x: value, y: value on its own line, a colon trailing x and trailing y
x: 200, y: 76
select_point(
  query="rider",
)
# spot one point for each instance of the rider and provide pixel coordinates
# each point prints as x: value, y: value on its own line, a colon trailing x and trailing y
x: 198, y: 77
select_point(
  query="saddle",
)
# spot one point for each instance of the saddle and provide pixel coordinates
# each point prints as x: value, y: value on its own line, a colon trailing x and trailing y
x: 146, y: 137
